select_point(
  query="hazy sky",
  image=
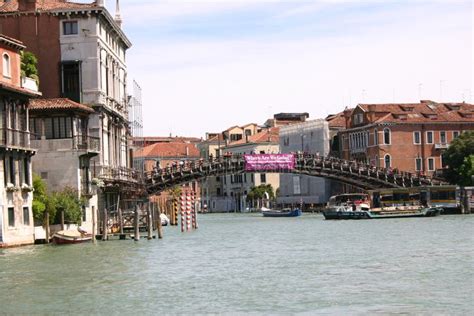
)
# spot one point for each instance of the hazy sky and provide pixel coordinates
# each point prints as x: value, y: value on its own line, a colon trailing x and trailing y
x: 207, y: 65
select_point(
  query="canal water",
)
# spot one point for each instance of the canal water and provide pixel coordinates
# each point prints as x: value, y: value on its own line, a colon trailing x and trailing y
x: 244, y: 263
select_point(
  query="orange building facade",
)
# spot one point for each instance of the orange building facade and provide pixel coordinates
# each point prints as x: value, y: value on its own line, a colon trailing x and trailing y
x: 409, y: 137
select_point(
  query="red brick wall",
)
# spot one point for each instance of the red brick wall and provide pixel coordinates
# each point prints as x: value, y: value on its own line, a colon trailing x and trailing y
x: 40, y: 34
x: 402, y: 149
x: 15, y: 62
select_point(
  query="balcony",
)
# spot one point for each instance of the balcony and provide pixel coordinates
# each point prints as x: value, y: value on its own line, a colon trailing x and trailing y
x: 14, y: 138
x: 77, y: 143
x: 87, y: 143
x: 119, y: 174
x: 441, y: 146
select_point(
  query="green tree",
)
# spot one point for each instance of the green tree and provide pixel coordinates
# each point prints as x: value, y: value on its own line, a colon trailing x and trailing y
x: 68, y: 200
x: 42, y: 201
x: 29, y: 66
x: 259, y: 192
x: 460, y: 160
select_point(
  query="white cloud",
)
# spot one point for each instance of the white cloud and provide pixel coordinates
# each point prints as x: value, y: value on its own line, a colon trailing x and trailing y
x: 191, y: 87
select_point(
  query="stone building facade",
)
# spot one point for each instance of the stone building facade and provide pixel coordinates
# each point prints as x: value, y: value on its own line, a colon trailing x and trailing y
x: 81, y: 52
x: 409, y: 136
x: 310, y: 137
x: 16, y: 216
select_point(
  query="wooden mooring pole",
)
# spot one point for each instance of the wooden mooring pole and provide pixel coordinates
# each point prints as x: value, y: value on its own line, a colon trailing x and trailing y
x: 136, y: 224
x: 62, y: 219
x: 104, y: 226
x: 94, y: 224
x: 158, y: 222
x: 120, y: 221
x: 149, y: 223
x: 46, y: 215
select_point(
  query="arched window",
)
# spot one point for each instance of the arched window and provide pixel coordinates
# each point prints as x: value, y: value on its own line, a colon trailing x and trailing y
x: 387, y: 161
x: 376, y: 137
x: 386, y: 136
x: 6, y: 65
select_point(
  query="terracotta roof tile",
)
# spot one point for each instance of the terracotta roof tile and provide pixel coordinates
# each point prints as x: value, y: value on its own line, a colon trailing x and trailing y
x: 58, y: 104
x: 48, y: 5
x: 269, y: 135
x: 173, y: 149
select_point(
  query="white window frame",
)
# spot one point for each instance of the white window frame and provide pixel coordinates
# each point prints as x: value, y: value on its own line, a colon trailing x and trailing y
x: 7, y: 65
x: 457, y: 135
x: 385, y: 161
x: 63, y: 28
x: 432, y: 137
x: 418, y: 159
x: 428, y: 163
x: 419, y: 137
x: 445, y: 137
x: 389, y: 136
x: 376, y: 137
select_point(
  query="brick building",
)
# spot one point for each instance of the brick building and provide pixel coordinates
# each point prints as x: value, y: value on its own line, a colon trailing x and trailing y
x: 408, y: 136
x: 81, y: 51
x: 16, y: 183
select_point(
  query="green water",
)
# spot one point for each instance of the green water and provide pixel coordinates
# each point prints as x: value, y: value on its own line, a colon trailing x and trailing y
x: 244, y: 263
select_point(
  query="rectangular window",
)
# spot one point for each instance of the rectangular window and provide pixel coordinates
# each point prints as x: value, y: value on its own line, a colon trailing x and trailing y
x: 218, y: 179
x: 218, y: 191
x: 26, y: 170
x: 431, y: 164
x: 11, y: 170
x: 442, y: 137
x: 11, y: 217
x: 70, y: 28
x: 417, y: 138
x: 5, y: 167
x: 26, y: 216
x: 71, y: 80
x: 429, y: 137
x: 263, y: 178
x: 251, y: 178
x: 455, y: 134
x: 418, y: 164
x: 441, y: 161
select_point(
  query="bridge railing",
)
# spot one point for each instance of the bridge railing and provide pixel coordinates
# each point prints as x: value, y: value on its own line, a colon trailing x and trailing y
x: 305, y: 163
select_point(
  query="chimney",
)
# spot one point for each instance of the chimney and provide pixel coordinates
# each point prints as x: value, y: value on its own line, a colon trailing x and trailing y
x: 27, y: 5
x: 118, y: 18
x: 187, y: 151
x: 100, y: 3
x: 347, y: 117
x: 371, y: 113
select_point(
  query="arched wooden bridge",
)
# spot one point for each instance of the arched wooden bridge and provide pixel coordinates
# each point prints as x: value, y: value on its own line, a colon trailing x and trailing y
x: 350, y: 172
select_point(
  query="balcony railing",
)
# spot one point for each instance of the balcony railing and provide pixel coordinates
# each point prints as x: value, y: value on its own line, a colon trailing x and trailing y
x: 89, y: 143
x: 14, y: 138
x: 119, y: 174
x: 441, y: 146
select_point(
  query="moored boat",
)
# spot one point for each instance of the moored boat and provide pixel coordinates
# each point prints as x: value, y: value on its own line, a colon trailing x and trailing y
x: 70, y: 237
x: 282, y: 213
x: 349, y: 213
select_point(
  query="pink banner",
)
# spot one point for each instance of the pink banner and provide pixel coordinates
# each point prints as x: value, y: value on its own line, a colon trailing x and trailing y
x: 269, y: 162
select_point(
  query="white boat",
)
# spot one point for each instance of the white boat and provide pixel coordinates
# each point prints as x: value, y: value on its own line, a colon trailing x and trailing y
x: 164, y: 219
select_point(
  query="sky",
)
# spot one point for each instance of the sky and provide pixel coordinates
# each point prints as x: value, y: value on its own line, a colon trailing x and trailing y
x: 204, y: 66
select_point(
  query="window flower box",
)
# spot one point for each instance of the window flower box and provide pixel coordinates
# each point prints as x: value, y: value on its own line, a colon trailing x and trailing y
x: 11, y: 187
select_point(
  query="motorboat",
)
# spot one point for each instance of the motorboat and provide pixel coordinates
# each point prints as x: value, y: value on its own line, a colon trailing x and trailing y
x: 71, y: 237
x: 281, y: 213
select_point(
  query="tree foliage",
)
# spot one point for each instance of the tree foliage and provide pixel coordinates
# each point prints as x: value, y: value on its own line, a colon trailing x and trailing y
x: 68, y: 200
x: 259, y: 192
x: 460, y: 160
x: 29, y: 66
x: 42, y: 202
